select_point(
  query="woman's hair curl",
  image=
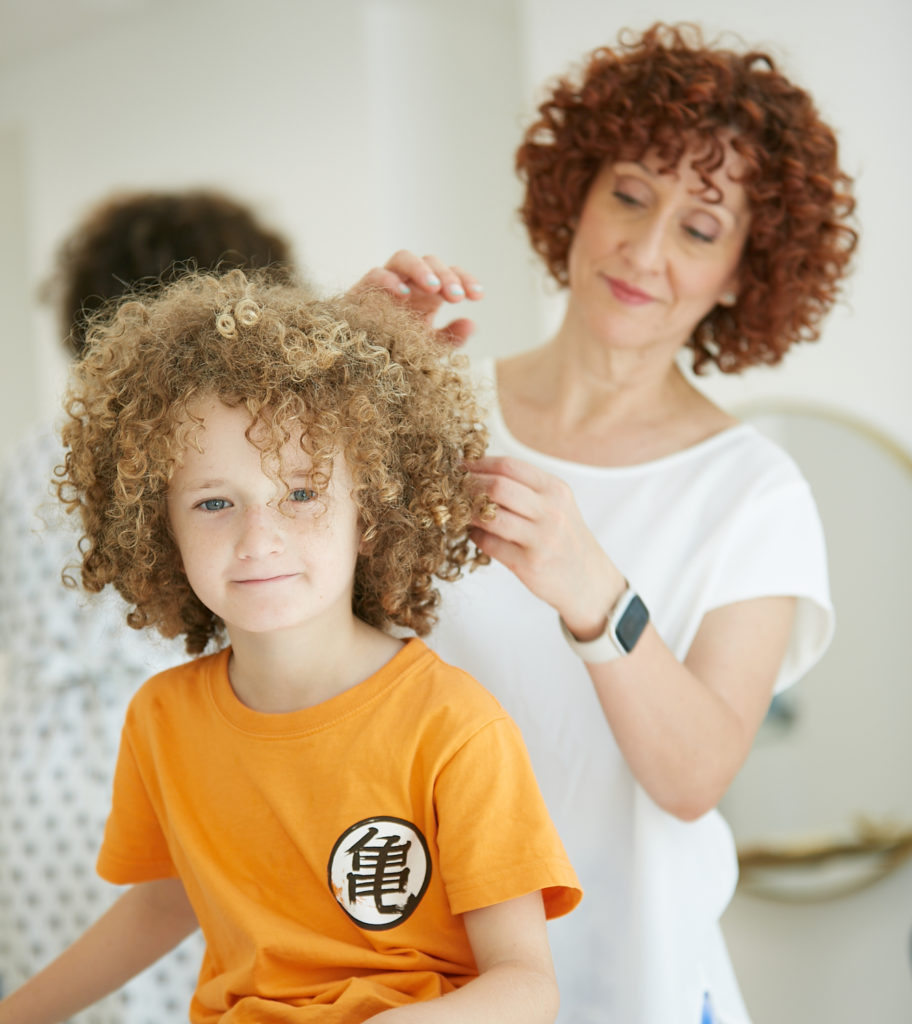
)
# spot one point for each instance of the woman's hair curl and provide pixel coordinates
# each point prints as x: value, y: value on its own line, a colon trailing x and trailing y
x: 667, y: 91
x: 358, y: 376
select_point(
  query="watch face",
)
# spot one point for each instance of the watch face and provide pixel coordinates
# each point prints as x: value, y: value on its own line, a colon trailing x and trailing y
x: 632, y: 623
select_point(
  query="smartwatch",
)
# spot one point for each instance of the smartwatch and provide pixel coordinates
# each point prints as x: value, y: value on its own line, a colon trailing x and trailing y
x: 626, y: 622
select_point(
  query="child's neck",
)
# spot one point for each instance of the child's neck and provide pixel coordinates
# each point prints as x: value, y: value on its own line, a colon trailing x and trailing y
x: 278, y: 673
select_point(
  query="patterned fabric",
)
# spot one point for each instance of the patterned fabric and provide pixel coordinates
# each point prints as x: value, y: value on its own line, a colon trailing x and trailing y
x: 71, y: 666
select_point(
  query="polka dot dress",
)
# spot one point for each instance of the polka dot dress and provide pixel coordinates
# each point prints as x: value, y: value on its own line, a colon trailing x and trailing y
x: 71, y: 665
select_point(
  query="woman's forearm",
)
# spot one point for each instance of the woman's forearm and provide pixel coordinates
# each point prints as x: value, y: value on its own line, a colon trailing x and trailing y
x: 146, y: 922
x: 686, y: 728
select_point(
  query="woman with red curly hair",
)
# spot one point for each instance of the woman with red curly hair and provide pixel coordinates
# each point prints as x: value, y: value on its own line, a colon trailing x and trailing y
x: 658, y: 567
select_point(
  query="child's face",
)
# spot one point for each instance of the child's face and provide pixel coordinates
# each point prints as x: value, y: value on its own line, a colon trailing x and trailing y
x: 261, y: 560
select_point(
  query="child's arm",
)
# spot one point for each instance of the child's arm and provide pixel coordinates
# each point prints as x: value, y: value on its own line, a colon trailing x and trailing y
x: 147, y: 921
x: 515, y: 982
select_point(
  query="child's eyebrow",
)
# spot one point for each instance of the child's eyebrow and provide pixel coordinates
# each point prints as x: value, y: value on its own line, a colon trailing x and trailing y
x: 203, y: 485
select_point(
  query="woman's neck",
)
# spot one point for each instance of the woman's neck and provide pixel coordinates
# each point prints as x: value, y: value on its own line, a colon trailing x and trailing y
x: 603, y: 406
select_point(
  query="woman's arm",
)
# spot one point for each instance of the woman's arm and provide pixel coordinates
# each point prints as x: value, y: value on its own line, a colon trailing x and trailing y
x: 686, y: 729
x: 147, y: 921
x: 683, y: 728
x: 515, y: 983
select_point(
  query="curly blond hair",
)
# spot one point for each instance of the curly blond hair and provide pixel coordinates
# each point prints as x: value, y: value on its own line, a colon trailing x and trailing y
x: 361, y: 377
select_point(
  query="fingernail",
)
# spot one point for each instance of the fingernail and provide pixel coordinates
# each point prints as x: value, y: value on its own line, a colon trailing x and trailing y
x: 455, y: 289
x: 476, y: 287
x: 432, y: 280
x: 404, y: 288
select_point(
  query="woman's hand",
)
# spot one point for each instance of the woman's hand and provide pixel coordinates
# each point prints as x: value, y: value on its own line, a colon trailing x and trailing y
x: 539, y: 534
x: 424, y: 284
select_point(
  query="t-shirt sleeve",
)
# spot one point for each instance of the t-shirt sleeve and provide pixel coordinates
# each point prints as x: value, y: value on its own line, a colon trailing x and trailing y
x: 134, y: 848
x: 775, y: 545
x: 495, y: 836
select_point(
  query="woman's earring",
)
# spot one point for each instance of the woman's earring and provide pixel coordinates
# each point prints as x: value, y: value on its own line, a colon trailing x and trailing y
x: 728, y: 299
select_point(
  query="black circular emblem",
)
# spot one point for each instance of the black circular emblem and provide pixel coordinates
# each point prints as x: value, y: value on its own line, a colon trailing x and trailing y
x: 378, y: 871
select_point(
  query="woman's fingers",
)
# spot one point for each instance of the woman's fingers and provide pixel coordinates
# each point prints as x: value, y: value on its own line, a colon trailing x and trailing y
x: 457, y: 332
x: 412, y: 270
x: 383, y: 279
x: 517, y: 470
x: 537, y: 530
x: 454, y: 283
x: 432, y: 275
x: 509, y: 495
x: 424, y: 283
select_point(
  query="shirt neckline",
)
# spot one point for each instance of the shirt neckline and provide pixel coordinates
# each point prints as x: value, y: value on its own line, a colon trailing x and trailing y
x: 321, y: 716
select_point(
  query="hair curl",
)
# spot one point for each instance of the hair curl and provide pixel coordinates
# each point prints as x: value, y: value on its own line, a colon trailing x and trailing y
x: 669, y: 92
x: 360, y: 376
x: 145, y: 239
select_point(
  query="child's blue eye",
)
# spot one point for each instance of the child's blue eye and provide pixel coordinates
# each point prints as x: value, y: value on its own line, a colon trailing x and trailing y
x: 302, y: 494
x: 213, y: 504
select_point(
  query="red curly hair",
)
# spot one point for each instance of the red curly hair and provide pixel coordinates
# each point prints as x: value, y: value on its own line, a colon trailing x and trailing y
x: 668, y: 92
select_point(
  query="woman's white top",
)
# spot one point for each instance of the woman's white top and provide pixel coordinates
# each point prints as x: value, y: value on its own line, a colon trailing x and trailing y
x: 729, y: 519
x: 70, y: 666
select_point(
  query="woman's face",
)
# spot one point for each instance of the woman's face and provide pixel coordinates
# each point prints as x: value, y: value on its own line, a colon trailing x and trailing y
x: 653, y: 253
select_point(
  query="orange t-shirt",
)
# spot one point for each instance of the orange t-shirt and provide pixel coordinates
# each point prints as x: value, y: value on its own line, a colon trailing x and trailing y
x: 329, y: 852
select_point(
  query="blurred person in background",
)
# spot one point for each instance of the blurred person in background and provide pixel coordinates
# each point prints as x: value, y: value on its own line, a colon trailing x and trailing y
x: 72, y: 663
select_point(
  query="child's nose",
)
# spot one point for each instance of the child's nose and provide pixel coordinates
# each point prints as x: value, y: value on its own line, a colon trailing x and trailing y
x: 260, y: 534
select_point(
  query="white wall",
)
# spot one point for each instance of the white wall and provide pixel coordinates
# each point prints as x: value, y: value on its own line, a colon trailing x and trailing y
x: 359, y: 126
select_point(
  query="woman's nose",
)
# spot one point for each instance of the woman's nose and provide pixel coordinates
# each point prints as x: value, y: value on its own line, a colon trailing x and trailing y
x: 260, y: 534
x: 645, y: 243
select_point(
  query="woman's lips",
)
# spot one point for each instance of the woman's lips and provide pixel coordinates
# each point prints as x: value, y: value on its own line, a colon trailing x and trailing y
x: 626, y: 293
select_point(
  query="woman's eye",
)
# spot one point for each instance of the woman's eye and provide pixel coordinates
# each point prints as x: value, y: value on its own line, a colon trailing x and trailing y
x: 302, y: 494
x: 213, y: 504
x: 700, y: 236
x: 625, y: 198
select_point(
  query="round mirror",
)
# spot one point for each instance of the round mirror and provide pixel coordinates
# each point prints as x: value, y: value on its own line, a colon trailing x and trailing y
x: 823, y: 804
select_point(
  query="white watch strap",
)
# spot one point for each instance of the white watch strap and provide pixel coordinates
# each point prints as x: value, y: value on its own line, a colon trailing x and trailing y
x: 605, y: 647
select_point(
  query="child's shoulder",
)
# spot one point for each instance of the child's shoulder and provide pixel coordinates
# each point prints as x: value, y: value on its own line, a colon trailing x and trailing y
x: 178, y: 681
x: 444, y: 688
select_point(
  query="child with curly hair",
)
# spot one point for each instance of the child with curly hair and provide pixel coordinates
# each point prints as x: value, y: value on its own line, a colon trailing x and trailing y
x: 353, y: 823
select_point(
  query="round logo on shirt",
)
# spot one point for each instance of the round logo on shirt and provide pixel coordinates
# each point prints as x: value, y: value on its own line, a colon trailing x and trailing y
x: 378, y: 871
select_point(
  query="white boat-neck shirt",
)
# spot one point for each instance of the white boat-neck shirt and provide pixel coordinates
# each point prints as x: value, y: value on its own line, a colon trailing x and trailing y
x: 728, y: 519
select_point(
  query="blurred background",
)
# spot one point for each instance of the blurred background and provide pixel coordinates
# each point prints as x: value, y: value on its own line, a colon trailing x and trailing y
x: 357, y: 127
